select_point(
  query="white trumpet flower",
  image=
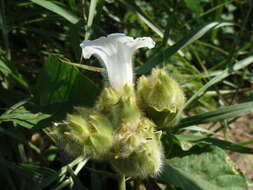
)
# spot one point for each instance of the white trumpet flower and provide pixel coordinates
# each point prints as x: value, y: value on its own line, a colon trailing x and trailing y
x: 115, y: 53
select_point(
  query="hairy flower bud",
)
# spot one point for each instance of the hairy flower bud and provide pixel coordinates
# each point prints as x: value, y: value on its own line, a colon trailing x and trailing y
x: 160, y: 97
x: 118, y: 105
x: 137, y: 151
x: 85, y: 132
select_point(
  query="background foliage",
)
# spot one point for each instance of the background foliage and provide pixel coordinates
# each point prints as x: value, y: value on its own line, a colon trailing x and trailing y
x: 206, y: 45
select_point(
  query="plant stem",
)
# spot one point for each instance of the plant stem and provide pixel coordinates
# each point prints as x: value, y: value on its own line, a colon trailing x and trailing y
x: 86, y: 67
x: 122, y: 182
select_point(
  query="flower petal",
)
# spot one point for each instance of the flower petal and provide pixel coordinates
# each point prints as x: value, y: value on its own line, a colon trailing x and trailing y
x: 115, y: 53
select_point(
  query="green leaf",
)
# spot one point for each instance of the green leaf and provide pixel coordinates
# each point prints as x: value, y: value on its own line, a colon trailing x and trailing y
x: 40, y: 175
x: 229, y: 145
x: 199, y: 129
x: 227, y: 72
x: 194, y: 5
x: 92, y: 13
x: 54, y: 83
x: 9, y: 70
x: 83, y: 91
x: 36, y: 177
x: 212, y: 170
x: 4, y: 28
x: 192, y: 139
x: 190, y: 38
x: 57, y: 9
x: 148, y: 21
x: 24, y: 117
x: 60, y: 82
x: 217, y: 115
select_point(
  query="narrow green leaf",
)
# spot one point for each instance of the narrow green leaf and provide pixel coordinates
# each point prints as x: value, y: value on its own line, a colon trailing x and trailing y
x: 57, y: 9
x: 227, y: 72
x: 229, y: 145
x: 9, y: 70
x: 148, y: 21
x: 217, y: 115
x: 35, y: 176
x: 41, y: 176
x: 92, y: 13
x: 195, y: 139
x: 23, y: 117
x: 190, y: 38
x: 199, y: 129
x: 4, y: 28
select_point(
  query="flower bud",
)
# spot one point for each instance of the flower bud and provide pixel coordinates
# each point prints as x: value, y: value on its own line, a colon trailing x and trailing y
x: 119, y: 104
x: 160, y: 97
x: 86, y: 133
x: 137, y: 150
x: 107, y: 98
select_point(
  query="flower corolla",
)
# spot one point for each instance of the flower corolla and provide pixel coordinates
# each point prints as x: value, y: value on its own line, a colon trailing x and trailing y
x: 115, y: 52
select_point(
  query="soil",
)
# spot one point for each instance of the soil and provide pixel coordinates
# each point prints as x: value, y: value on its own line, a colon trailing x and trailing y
x: 241, y: 131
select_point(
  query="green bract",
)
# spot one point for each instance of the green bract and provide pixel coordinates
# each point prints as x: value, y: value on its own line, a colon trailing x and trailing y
x: 86, y: 132
x: 137, y: 149
x: 161, y: 97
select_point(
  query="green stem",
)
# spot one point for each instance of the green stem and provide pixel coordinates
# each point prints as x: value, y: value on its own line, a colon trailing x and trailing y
x: 3, y: 26
x: 65, y: 183
x: 122, y: 182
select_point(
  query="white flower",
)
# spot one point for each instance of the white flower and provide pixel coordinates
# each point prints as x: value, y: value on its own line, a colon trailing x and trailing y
x: 115, y: 53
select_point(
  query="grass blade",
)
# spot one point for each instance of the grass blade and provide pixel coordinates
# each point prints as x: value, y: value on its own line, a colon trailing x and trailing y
x: 227, y: 72
x: 218, y: 115
x: 92, y: 13
x: 227, y: 145
x: 4, y: 28
x: 190, y: 38
x: 150, y: 23
x: 57, y: 9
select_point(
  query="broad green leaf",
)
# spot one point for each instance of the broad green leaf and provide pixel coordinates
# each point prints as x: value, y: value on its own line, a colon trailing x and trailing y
x: 74, y: 39
x: 211, y: 170
x: 55, y: 82
x: 217, y: 115
x: 227, y: 72
x: 60, y: 82
x: 190, y: 38
x: 57, y: 9
x: 83, y: 91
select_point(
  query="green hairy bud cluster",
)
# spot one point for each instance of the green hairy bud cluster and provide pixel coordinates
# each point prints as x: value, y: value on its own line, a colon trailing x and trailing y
x: 121, y: 127
x: 161, y: 97
x: 83, y: 133
x: 137, y: 150
x: 120, y: 105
